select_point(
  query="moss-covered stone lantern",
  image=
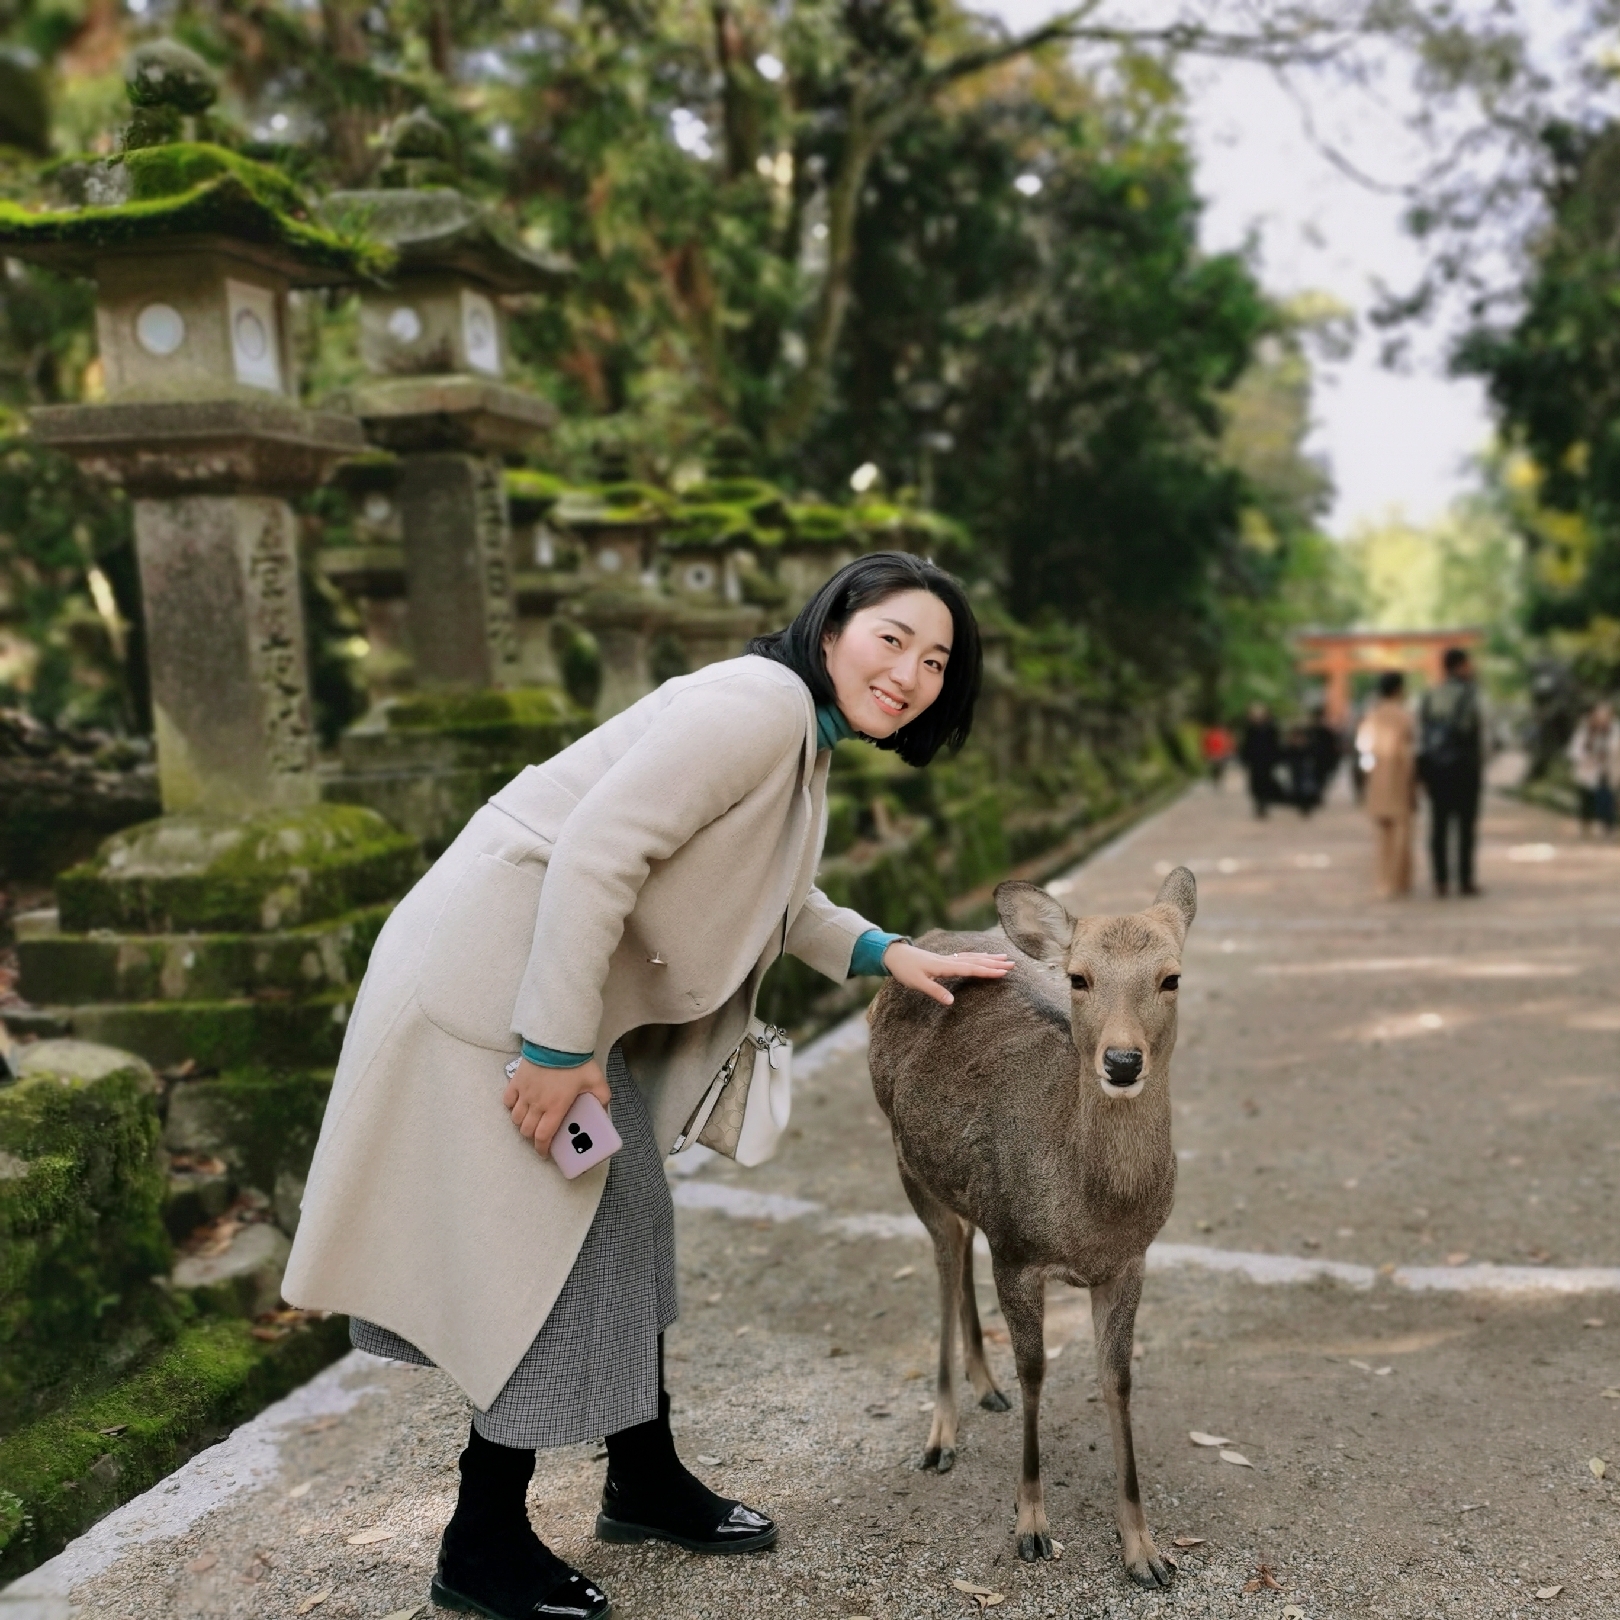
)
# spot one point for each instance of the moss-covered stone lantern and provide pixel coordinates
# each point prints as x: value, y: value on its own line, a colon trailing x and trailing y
x: 193, y: 250
x: 433, y: 336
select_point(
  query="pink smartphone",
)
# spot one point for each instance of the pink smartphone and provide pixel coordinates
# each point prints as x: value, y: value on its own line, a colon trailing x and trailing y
x: 585, y: 1137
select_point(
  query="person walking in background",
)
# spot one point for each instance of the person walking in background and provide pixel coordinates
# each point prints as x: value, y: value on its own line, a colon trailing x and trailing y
x: 1326, y: 748
x: 1216, y: 744
x: 1451, y: 766
x: 1386, y: 747
x: 1594, y: 759
x: 1259, y: 752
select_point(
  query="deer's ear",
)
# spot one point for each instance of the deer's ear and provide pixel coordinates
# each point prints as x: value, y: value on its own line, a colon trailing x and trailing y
x: 1035, y: 922
x: 1177, y: 901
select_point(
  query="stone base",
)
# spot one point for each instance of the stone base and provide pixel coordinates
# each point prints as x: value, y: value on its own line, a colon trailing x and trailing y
x: 451, y: 412
x: 219, y: 873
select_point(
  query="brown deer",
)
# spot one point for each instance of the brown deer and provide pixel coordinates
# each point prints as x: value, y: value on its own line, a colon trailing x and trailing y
x: 1037, y: 1110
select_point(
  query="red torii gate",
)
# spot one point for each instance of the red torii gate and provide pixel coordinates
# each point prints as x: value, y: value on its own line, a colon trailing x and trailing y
x: 1336, y: 655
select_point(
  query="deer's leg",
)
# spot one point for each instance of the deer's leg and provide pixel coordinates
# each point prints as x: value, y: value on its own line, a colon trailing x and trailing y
x: 951, y: 1235
x: 978, y: 1368
x: 1113, y: 1318
x: 1022, y: 1291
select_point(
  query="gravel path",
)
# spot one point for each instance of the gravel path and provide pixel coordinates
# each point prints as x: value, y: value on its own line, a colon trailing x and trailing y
x: 1423, y: 1093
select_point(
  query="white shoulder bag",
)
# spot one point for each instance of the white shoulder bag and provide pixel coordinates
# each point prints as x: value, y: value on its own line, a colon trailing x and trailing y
x: 746, y: 1108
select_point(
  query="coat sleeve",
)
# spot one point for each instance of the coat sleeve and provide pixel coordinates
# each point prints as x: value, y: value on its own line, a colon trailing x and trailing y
x: 824, y: 935
x: 709, y: 749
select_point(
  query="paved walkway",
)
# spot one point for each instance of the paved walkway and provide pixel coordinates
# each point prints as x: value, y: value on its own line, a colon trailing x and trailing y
x: 1392, y: 1279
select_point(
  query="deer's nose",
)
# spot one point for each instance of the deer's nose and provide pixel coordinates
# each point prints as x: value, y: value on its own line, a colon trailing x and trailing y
x: 1123, y: 1064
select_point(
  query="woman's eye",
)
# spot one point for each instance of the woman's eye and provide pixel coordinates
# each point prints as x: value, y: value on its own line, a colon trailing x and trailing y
x: 1078, y: 981
x: 1172, y: 982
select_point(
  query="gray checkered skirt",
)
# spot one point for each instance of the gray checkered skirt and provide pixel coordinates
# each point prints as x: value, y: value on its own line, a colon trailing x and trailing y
x: 593, y: 1367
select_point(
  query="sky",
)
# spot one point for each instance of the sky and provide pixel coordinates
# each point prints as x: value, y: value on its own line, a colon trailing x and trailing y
x: 1392, y: 440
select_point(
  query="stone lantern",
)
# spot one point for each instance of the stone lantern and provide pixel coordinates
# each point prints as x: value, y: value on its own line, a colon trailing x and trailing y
x: 193, y: 251
x: 229, y: 933
x: 434, y: 339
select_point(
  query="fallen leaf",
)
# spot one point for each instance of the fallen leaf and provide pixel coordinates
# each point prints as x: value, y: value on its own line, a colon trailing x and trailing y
x: 1460, y: 1258
x: 708, y: 1462
x: 269, y: 1335
x: 1191, y: 1541
x: 991, y: 1599
x: 836, y: 1350
x: 996, y: 1335
x: 116, y: 1430
x: 1235, y: 1457
x: 742, y: 1331
x: 300, y: 1490
x: 1365, y: 1366
x: 1382, y: 1372
x: 1250, y: 1588
x: 1599, y: 1467
x: 320, y: 1425
x: 1539, y: 1257
x: 970, y: 1588
x: 1293, y: 1612
x: 1268, y: 1577
x: 714, y: 1299
x: 925, y: 1406
x: 313, y: 1601
x: 198, y: 1566
x: 905, y: 1271
x: 1593, y: 1321
x: 1054, y: 1352
x: 1547, y: 1593
x: 369, y: 1538
x: 1199, y: 1438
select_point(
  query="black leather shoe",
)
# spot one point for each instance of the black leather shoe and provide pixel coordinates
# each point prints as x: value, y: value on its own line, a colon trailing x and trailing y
x: 551, y: 1590
x: 742, y: 1530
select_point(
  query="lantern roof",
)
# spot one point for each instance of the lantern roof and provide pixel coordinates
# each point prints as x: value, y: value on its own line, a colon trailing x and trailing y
x: 437, y: 228
x: 180, y: 195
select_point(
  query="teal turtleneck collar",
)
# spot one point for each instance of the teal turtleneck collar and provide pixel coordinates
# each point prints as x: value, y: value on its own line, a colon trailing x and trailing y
x: 831, y: 726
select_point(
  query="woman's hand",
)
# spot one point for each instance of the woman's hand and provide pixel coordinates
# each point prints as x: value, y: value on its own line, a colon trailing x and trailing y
x: 921, y: 970
x: 539, y: 1097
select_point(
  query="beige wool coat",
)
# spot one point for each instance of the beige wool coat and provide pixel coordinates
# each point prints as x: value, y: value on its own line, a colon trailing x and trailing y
x: 1389, y: 734
x: 634, y: 887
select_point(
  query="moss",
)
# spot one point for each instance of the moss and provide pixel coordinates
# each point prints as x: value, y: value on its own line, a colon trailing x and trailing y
x: 819, y: 524
x: 262, y: 1124
x: 182, y: 189
x: 74, y: 969
x: 63, y: 1472
x: 218, y: 873
x: 279, y: 1034
x: 485, y: 713
x: 81, y: 1226
x: 532, y: 494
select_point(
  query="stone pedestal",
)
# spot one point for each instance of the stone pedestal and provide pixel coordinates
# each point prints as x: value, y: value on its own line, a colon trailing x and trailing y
x: 458, y: 570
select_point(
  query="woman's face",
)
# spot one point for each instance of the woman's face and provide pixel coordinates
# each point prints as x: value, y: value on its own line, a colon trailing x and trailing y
x: 887, y: 663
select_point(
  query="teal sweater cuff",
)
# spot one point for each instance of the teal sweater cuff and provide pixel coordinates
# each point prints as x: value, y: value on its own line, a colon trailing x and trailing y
x: 548, y: 1057
x: 867, y: 960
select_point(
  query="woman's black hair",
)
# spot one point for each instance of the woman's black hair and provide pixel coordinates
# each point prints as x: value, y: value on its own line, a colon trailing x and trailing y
x: 1391, y: 683
x: 863, y: 583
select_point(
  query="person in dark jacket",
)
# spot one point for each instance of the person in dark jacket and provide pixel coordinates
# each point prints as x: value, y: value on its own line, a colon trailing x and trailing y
x: 1451, y: 766
x: 1260, y: 751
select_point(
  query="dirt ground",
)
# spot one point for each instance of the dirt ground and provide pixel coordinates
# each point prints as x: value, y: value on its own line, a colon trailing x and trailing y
x: 1425, y: 1093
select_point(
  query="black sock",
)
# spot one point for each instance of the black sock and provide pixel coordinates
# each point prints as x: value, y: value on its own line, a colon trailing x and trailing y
x: 647, y: 1483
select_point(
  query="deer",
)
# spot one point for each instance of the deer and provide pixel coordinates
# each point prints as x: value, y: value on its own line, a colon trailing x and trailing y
x: 1036, y: 1110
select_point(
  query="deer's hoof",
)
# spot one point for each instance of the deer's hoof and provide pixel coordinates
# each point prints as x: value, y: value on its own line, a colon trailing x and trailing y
x: 995, y: 1401
x: 938, y: 1459
x: 1035, y: 1544
x: 1150, y: 1571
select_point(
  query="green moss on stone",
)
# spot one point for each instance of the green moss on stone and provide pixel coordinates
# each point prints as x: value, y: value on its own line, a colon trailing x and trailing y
x: 263, y: 1125
x: 75, y: 969
x: 61, y: 1473
x: 304, y: 1033
x: 81, y: 1219
x: 183, y: 188
x: 217, y: 873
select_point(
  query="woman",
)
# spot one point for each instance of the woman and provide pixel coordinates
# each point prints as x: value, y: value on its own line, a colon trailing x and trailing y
x: 1386, y: 744
x: 1594, y: 760
x: 608, y: 914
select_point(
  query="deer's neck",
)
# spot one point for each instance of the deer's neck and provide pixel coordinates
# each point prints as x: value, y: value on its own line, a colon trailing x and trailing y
x: 1126, y: 1160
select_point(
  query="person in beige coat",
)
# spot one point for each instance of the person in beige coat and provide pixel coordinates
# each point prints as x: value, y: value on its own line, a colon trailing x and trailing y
x: 1386, y: 742
x: 602, y: 925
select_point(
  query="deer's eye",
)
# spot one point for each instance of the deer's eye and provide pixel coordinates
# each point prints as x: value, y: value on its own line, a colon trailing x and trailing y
x: 1078, y: 981
x: 1172, y: 982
